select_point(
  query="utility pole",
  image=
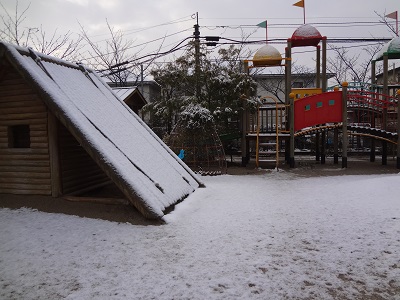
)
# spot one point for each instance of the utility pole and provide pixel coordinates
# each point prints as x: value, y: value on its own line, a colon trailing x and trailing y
x: 196, y: 34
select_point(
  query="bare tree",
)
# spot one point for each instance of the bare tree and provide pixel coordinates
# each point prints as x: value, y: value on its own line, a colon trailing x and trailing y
x: 13, y: 31
x: 115, y: 59
x: 63, y: 46
x: 356, y: 67
x: 352, y: 67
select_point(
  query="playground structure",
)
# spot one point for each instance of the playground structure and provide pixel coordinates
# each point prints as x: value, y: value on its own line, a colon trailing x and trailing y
x: 360, y: 115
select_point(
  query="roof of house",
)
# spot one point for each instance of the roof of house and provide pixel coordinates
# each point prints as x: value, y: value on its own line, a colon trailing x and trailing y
x: 130, y: 95
x: 136, y: 160
x: 124, y: 92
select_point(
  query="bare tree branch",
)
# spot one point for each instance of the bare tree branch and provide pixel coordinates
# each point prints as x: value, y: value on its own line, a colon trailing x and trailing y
x: 347, y: 67
x: 114, y: 57
x: 60, y: 45
x: 12, y: 26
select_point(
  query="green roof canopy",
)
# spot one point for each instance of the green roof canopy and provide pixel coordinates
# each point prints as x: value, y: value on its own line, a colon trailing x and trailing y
x: 391, y: 49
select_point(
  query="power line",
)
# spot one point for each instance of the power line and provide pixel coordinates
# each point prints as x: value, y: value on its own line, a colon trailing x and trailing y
x: 295, y: 25
x: 142, y: 44
x: 158, y: 54
x: 136, y: 30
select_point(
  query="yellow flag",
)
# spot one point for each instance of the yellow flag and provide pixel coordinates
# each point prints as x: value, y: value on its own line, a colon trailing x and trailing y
x: 299, y: 4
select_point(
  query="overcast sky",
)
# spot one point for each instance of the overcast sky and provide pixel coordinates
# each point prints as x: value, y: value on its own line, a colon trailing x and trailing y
x: 144, y: 21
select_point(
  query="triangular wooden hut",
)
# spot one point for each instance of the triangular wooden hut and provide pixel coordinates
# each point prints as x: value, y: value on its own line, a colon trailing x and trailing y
x: 63, y: 130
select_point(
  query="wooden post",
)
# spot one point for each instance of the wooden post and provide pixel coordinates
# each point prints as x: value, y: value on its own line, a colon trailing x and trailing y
x: 324, y: 80
x: 324, y: 86
x: 323, y: 142
x: 373, y: 83
x: 288, y: 89
x: 398, y: 129
x: 336, y: 146
x: 317, y: 148
x: 373, y: 76
x: 318, y: 68
x: 384, y: 112
x: 336, y: 140
x: 344, y: 122
x: 244, y: 120
x: 372, y: 151
x: 291, y: 160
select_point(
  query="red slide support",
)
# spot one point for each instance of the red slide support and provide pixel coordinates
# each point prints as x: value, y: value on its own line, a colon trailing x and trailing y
x: 318, y: 109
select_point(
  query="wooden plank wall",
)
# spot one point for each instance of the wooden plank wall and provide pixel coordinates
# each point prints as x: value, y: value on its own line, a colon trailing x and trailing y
x: 23, y: 170
x: 28, y: 170
x: 79, y: 172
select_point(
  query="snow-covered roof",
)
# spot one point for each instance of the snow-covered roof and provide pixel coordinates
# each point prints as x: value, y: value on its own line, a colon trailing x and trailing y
x: 150, y: 175
x: 267, y: 56
x: 306, y: 35
x: 129, y: 95
x: 124, y: 92
x: 391, y: 49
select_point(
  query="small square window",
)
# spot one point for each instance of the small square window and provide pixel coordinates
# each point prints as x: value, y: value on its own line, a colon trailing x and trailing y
x: 307, y: 107
x: 319, y: 104
x: 19, y: 136
x: 331, y: 102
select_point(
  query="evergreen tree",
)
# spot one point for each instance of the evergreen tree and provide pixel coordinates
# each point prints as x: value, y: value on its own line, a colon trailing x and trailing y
x: 222, y: 83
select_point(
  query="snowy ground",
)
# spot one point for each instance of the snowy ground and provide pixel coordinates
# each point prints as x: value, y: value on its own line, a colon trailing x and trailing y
x: 271, y: 236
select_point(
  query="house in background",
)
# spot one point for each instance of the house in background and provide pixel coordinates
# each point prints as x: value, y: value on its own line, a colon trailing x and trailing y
x: 64, y: 132
x: 132, y: 97
x: 149, y: 89
x: 274, y: 84
x: 136, y: 96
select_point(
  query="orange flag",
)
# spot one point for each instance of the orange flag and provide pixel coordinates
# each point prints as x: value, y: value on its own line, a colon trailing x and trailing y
x: 299, y: 4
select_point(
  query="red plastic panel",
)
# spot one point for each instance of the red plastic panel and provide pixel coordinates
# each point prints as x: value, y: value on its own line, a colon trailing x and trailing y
x: 318, y: 109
